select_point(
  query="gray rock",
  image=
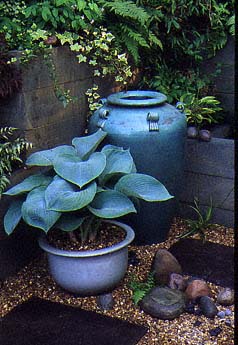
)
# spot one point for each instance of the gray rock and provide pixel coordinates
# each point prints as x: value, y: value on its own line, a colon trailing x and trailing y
x: 177, y: 281
x: 208, y: 307
x: 163, y: 303
x: 163, y: 265
x: 105, y: 301
x: 205, y: 135
x: 221, y: 314
x: 228, y: 312
x: 192, y: 132
x: 225, y: 297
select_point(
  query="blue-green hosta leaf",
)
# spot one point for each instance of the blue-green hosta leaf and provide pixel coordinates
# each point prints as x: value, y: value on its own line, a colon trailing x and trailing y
x: 13, y: 216
x: 111, y: 204
x: 111, y: 147
x: 35, y: 213
x: 63, y: 196
x: 143, y: 186
x: 69, y: 222
x: 118, y: 162
x: 79, y: 172
x: 29, y: 183
x: 46, y: 157
x: 88, y: 144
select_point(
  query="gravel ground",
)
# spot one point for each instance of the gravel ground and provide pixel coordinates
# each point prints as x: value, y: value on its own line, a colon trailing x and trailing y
x: 34, y: 280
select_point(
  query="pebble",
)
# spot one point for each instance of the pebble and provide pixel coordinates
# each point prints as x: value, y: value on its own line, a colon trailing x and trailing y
x: 192, y: 132
x: 225, y: 297
x: 228, y: 312
x: 221, y: 314
x: 132, y: 258
x: 228, y: 323
x: 215, y: 331
x: 197, y: 323
x: 205, y: 135
x: 208, y: 307
x: 105, y: 301
x: 177, y: 281
x: 189, y: 307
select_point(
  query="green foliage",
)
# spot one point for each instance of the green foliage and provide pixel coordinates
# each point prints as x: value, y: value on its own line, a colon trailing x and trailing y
x: 34, y: 27
x: 10, y: 152
x: 82, y: 184
x: 140, y: 289
x: 200, y: 111
x: 202, y: 222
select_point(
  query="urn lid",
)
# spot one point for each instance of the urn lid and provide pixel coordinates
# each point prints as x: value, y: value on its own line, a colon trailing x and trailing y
x: 136, y: 98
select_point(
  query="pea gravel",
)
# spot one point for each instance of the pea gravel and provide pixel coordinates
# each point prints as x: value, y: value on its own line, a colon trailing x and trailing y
x: 34, y: 280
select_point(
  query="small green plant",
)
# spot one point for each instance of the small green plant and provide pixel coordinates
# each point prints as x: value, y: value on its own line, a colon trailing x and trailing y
x: 82, y: 187
x: 199, y: 225
x: 201, y: 111
x: 10, y: 152
x: 139, y: 288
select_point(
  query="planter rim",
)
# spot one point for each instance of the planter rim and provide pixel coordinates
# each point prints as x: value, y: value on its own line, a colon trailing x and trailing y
x: 130, y: 235
x: 136, y: 98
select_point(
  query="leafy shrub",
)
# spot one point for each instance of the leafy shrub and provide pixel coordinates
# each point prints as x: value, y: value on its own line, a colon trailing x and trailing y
x: 10, y: 152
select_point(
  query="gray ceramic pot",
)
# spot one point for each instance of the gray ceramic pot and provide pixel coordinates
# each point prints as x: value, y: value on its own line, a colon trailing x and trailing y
x: 89, y: 272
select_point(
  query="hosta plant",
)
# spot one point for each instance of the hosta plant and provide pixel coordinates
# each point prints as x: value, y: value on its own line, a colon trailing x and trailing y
x: 80, y: 188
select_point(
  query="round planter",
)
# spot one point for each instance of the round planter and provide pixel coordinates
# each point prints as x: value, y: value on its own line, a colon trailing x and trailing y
x: 89, y: 272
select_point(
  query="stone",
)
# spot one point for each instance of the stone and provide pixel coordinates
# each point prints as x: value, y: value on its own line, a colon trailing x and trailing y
x: 208, y: 307
x: 190, y: 307
x: 163, y: 265
x: 105, y: 301
x: 197, y: 288
x: 192, y: 132
x: 228, y: 323
x: 205, y: 135
x: 177, y: 281
x: 215, y: 331
x: 225, y: 297
x: 221, y: 314
x: 197, y: 323
x: 132, y: 258
x: 228, y: 312
x: 163, y: 303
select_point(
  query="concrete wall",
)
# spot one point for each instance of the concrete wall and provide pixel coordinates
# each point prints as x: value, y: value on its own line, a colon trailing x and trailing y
x: 209, y: 173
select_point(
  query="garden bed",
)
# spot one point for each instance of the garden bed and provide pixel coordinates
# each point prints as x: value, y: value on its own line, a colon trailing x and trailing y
x: 34, y: 280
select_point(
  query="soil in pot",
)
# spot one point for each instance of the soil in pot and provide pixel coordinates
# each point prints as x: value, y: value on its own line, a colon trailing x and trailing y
x: 108, y: 235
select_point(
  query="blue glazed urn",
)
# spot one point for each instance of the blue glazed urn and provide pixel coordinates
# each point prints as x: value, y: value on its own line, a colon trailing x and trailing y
x: 155, y: 133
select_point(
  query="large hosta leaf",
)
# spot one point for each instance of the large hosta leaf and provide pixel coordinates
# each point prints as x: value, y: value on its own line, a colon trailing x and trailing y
x: 118, y: 162
x: 29, y: 183
x: 79, y: 172
x: 111, y: 204
x: 86, y: 145
x: 143, y: 186
x: 63, y: 196
x: 13, y: 216
x: 35, y: 213
x: 46, y: 157
x: 69, y: 222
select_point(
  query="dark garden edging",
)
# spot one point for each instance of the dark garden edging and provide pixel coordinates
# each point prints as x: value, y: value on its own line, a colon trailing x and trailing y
x: 209, y: 173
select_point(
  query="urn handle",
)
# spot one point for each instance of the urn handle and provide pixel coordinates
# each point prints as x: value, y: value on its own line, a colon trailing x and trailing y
x: 103, y: 116
x: 153, y: 119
